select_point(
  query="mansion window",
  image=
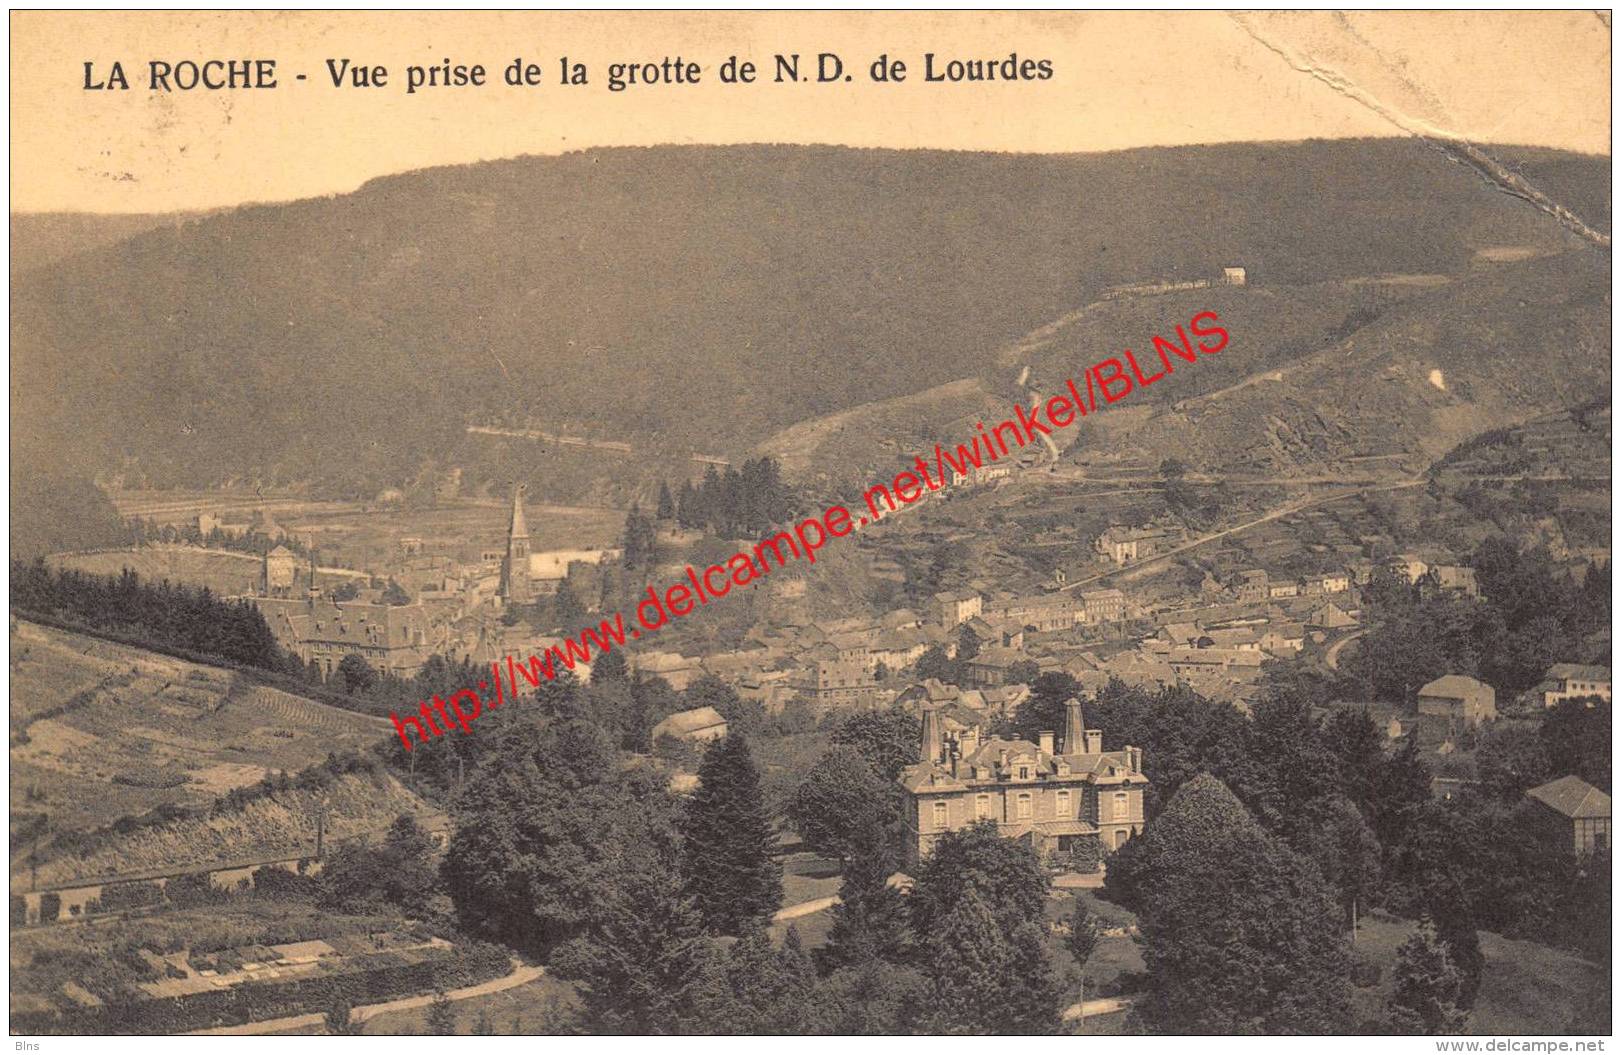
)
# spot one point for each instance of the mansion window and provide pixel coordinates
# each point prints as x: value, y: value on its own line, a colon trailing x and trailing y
x: 1063, y: 804
x: 1121, y: 803
x: 982, y: 807
x: 939, y: 816
x: 1024, y: 772
x: 1024, y: 806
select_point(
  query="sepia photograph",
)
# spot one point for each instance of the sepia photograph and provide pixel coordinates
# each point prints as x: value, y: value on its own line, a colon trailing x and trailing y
x: 804, y: 523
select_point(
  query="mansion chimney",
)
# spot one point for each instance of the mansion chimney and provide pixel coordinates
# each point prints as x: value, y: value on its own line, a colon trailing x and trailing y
x: 1046, y: 741
x: 930, y: 748
x: 1074, y: 728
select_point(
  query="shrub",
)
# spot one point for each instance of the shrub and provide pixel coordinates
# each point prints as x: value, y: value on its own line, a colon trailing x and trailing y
x: 1364, y: 974
x: 194, y: 889
x: 50, y: 907
x: 130, y: 895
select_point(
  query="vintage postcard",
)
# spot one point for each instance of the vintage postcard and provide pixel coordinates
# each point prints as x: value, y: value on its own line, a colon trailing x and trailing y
x: 936, y: 523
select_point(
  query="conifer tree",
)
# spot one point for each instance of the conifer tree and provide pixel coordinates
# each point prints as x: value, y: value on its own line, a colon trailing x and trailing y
x: 1239, y: 933
x: 870, y: 920
x: 1428, y: 986
x: 646, y: 966
x: 686, y: 506
x: 968, y: 961
x: 441, y: 1017
x: 666, y: 506
x: 610, y: 667
x: 729, y: 841
x: 567, y: 608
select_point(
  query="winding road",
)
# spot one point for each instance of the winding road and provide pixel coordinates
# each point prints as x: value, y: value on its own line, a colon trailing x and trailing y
x: 522, y: 973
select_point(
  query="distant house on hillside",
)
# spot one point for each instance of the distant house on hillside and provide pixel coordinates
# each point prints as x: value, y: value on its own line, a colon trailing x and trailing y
x: 1449, y: 578
x: 1459, y: 698
x: 1574, y: 813
x: 1570, y: 681
x: 1233, y: 276
x: 955, y: 607
x: 1330, y: 616
x: 1103, y: 606
x: 699, y: 725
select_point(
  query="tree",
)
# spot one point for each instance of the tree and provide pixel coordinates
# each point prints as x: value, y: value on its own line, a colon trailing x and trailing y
x: 986, y: 981
x: 968, y: 644
x: 870, y: 919
x: 967, y: 962
x: 1509, y: 760
x: 1239, y: 934
x: 686, y: 506
x: 394, y: 594
x: 934, y: 663
x: 1425, y: 998
x: 644, y: 966
x: 355, y: 674
x: 1575, y: 737
x: 1083, y: 934
x: 568, y: 611
x: 610, y: 667
x: 548, y: 818
x: 339, y: 1018
x: 400, y: 870
x: 347, y: 590
x: 1043, y: 710
x: 1006, y: 874
x: 888, y: 740
x: 838, y: 801
x: 1333, y: 834
x: 729, y: 841
x: 441, y: 1016
x: 762, y: 990
x: 742, y: 716
x: 1024, y: 672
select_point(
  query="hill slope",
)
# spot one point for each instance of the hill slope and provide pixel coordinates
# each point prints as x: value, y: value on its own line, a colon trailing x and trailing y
x: 678, y: 299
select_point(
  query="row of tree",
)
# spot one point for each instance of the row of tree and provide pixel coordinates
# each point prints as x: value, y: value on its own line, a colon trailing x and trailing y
x: 162, y: 614
x: 733, y: 504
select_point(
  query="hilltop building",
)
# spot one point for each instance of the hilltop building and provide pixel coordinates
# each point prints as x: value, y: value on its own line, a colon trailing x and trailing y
x: 1126, y: 545
x: 1064, y: 799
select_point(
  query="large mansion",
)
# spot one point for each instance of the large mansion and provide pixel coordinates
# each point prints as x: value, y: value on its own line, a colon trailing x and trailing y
x: 1064, y: 798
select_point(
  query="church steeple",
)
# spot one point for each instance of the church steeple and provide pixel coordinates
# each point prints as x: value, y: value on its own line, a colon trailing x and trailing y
x: 515, y: 565
x: 517, y: 529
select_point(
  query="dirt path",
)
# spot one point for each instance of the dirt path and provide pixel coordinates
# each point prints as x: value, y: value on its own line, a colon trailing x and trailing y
x: 1278, y: 513
x: 1105, y: 1006
x: 522, y: 974
x: 1333, y: 656
x: 805, y: 908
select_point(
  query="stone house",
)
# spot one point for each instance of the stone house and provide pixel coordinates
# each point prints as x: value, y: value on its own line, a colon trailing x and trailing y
x: 1061, y: 797
x: 1458, y: 698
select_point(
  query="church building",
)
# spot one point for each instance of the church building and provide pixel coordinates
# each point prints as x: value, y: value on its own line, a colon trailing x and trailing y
x: 515, y: 585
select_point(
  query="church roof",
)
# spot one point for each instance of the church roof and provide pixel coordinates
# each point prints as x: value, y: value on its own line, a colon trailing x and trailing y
x: 517, y: 528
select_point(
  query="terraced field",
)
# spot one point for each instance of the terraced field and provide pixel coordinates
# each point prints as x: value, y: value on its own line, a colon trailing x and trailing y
x: 101, y: 731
